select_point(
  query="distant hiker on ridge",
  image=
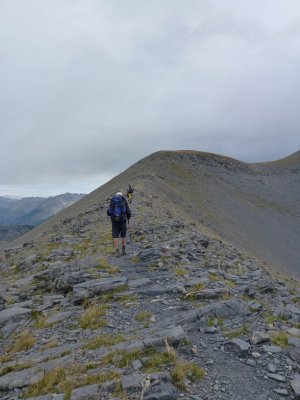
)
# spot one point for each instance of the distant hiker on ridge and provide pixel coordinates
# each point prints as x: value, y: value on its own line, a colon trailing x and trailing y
x: 119, y: 212
x: 129, y: 194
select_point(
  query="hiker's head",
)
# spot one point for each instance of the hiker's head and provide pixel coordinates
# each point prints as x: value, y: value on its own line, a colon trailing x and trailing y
x: 119, y: 194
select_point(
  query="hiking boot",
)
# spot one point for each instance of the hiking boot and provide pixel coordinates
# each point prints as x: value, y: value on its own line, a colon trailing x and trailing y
x: 123, y: 251
x: 118, y: 253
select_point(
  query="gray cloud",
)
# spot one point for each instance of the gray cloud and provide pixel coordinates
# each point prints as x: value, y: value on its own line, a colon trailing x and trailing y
x: 88, y: 87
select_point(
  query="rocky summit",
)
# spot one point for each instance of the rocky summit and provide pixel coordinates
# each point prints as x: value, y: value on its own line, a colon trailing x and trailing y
x: 184, y: 314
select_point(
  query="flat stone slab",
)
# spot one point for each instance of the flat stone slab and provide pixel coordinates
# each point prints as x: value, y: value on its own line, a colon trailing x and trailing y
x: 277, y: 377
x: 295, y: 383
x: 20, y: 379
x: 133, y: 381
x: 272, y: 349
x: 134, y: 283
x: 97, y: 286
x: 13, y: 314
x: 87, y: 392
x: 53, y: 396
x: 172, y: 335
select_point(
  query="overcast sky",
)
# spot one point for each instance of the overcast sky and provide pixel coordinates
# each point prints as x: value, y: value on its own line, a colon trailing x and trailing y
x: 89, y: 87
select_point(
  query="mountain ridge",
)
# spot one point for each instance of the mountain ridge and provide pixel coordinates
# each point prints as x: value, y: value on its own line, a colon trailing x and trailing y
x: 247, y: 204
x: 184, y: 314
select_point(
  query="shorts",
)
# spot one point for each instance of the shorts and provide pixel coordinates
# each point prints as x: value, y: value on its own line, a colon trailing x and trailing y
x: 119, y: 229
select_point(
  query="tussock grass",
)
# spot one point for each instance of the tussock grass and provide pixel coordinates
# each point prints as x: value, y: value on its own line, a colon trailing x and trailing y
x: 183, y: 370
x: 241, y: 331
x: 280, y: 339
x: 62, y: 380
x: 14, y: 368
x: 92, y: 317
x: 144, y: 317
x: 121, y: 358
x: 105, y: 340
x: 181, y: 272
x: 40, y: 320
x: 24, y: 342
x: 158, y: 362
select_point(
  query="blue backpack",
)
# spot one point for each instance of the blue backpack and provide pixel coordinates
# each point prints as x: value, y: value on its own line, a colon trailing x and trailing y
x: 117, y: 209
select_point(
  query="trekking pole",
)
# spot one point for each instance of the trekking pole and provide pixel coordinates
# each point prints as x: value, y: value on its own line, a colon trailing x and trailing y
x: 129, y: 237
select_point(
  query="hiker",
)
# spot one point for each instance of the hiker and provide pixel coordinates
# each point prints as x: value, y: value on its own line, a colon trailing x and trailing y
x: 119, y: 212
x: 129, y: 194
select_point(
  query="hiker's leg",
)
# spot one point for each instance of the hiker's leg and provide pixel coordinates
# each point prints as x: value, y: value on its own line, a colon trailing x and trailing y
x: 115, y: 235
x: 123, y: 237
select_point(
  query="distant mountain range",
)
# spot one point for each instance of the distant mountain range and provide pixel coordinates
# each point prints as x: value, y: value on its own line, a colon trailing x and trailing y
x: 17, y: 216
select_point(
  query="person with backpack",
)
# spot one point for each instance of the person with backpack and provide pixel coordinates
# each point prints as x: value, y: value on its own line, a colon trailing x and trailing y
x: 120, y: 213
x: 129, y: 194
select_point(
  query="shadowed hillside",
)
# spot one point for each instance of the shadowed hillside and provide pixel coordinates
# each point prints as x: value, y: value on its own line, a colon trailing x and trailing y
x: 253, y: 206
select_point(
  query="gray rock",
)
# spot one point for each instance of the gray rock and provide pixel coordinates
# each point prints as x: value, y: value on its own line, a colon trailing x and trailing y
x: 272, y: 368
x: 97, y: 286
x: 133, y: 381
x: 295, y: 383
x: 153, y: 290
x: 295, y: 354
x: 211, y: 329
x: 90, y: 392
x: 294, y: 332
x: 135, y: 283
x: 20, y: 379
x: 62, y: 362
x: 13, y: 314
x: 276, y: 377
x: 260, y: 337
x: 53, y: 396
x: 281, y: 392
x: 173, y: 336
x: 161, y: 391
x: 227, y: 309
x: 136, y: 365
x: 59, y: 317
x: 239, y: 346
x: 294, y: 341
x: 272, y: 349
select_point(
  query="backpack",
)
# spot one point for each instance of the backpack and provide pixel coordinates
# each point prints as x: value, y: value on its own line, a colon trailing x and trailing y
x: 117, y: 209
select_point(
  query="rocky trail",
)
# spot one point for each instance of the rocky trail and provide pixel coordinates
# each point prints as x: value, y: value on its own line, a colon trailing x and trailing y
x: 182, y: 315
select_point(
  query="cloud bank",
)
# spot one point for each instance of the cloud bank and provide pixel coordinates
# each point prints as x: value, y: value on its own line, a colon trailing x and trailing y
x: 89, y: 87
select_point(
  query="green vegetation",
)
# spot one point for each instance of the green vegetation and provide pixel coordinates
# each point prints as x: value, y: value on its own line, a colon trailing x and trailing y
x: 24, y: 342
x: 158, y: 362
x: 143, y: 316
x: 105, y: 340
x: 14, y: 368
x: 180, y: 272
x: 280, y: 339
x: 183, y: 370
x: 122, y: 358
x: 241, y: 331
x: 40, y: 320
x: 92, y: 317
x: 61, y: 380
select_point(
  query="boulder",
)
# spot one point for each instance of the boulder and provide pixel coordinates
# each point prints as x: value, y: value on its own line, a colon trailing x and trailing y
x: 13, y: 314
